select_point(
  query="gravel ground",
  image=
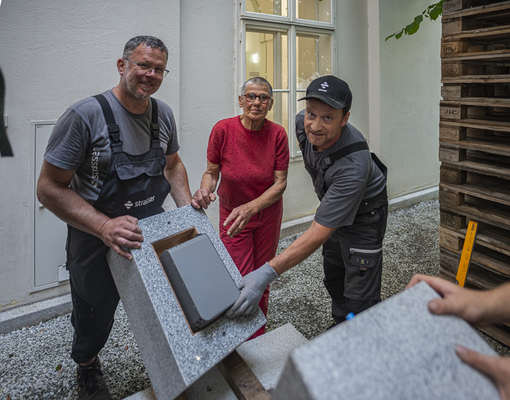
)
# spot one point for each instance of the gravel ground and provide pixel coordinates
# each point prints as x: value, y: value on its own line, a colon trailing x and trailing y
x: 35, y: 362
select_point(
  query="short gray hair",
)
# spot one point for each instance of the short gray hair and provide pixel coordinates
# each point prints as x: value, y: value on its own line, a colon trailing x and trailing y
x: 257, y: 80
x: 149, y: 41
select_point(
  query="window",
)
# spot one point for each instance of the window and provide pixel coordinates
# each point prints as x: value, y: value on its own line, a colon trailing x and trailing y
x: 288, y: 42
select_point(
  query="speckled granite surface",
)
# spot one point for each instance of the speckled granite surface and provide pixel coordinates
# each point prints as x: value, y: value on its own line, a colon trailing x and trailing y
x: 394, y: 350
x: 173, y: 356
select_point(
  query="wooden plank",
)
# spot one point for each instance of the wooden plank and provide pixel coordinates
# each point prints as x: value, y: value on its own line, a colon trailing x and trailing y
x: 479, y: 145
x: 452, y: 26
x: 450, y: 47
x: 490, y: 214
x: 494, y: 32
x: 452, y: 175
x: 241, y: 379
x: 450, y: 239
x: 450, y: 196
x: 500, y: 126
x: 454, y: 92
x: 488, y: 237
x: 478, y: 277
x: 498, y: 195
x: 498, y: 78
x: 477, y: 101
x: 459, y: 8
x: 452, y: 112
x: 452, y: 220
x: 451, y: 154
x: 453, y: 69
x: 497, y: 332
x: 182, y: 396
x: 452, y: 133
x: 479, y: 167
x: 454, y: 5
x: 491, y: 55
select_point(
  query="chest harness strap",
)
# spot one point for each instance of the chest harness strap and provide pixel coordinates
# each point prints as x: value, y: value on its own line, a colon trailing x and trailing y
x: 337, y: 155
x: 113, y: 128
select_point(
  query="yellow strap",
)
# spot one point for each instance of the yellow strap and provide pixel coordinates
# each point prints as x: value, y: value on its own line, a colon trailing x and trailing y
x: 465, y: 257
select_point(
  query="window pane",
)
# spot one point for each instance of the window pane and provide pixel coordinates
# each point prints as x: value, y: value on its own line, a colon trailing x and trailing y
x: 267, y: 56
x: 280, y: 111
x: 274, y: 7
x: 314, y: 9
x: 313, y: 58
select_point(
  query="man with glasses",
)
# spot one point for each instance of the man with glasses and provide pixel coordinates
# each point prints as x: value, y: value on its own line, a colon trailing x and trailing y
x: 111, y: 159
x: 351, y: 219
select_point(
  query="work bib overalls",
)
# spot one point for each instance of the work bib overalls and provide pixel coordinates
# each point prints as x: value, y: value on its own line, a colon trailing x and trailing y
x: 134, y: 185
x: 352, y: 255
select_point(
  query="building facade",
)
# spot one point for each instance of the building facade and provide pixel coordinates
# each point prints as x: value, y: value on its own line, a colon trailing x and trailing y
x: 54, y: 53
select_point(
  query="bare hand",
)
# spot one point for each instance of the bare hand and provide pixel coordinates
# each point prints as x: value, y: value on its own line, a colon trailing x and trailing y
x: 465, y: 303
x: 122, y: 232
x: 202, y: 198
x: 240, y: 216
x: 497, y: 368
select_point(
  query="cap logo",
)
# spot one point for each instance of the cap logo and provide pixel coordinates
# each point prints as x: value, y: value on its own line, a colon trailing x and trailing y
x: 324, y: 86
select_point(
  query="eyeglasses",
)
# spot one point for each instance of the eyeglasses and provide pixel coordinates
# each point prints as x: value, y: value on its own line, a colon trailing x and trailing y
x: 250, y: 97
x: 147, y: 69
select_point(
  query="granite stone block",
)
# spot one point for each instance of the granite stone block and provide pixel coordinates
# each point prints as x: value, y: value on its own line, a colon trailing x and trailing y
x: 265, y: 355
x: 173, y: 355
x: 394, y: 350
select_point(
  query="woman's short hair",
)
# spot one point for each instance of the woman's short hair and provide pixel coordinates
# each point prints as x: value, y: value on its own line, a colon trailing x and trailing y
x: 257, y: 80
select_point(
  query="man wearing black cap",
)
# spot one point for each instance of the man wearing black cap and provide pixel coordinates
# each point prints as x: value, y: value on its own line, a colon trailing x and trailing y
x: 351, y: 219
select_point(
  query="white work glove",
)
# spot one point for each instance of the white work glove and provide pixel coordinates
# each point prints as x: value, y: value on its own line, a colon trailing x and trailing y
x: 253, y: 286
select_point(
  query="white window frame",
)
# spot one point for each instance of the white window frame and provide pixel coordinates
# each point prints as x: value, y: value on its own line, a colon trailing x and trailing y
x: 293, y: 26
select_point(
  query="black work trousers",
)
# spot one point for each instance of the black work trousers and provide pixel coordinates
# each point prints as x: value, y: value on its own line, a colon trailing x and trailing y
x: 353, y: 264
x: 94, y: 294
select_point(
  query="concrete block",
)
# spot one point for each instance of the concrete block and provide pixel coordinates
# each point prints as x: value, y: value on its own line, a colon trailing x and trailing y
x: 266, y: 356
x: 173, y: 355
x: 395, y: 350
x: 31, y: 314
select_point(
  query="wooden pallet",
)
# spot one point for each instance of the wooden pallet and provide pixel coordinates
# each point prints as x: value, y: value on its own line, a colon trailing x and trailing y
x: 241, y: 379
x: 459, y: 8
x: 474, y: 142
x: 477, y: 18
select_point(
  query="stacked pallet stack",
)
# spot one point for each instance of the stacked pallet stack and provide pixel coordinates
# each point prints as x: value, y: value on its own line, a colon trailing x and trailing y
x: 474, y: 142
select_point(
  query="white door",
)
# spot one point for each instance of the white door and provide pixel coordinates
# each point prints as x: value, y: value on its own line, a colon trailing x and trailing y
x: 49, y: 231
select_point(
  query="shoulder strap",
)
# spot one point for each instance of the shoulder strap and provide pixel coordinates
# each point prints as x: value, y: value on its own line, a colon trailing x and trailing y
x: 337, y: 155
x: 113, y: 128
x: 154, y: 120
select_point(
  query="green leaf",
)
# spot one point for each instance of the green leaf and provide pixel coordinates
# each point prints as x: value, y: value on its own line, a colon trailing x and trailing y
x: 389, y: 37
x: 432, y: 12
x: 435, y: 13
x: 58, y: 367
x: 410, y: 28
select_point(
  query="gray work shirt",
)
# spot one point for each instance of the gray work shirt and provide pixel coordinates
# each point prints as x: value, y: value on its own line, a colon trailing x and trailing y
x: 80, y: 141
x: 350, y: 180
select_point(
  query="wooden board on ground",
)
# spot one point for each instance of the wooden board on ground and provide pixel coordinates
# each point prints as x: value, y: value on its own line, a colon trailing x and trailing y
x: 241, y: 379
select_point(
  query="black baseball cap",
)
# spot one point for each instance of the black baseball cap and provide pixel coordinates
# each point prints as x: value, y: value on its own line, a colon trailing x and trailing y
x: 331, y: 90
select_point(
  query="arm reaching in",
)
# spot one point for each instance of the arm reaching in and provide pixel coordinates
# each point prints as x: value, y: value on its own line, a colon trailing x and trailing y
x: 176, y: 175
x: 253, y: 286
x: 497, y: 368
x: 255, y: 282
x: 241, y: 215
x: 205, y: 195
x: 55, y: 194
x: 477, y: 307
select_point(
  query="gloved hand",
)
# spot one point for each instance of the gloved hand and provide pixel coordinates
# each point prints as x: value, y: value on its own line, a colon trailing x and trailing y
x: 253, y: 286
